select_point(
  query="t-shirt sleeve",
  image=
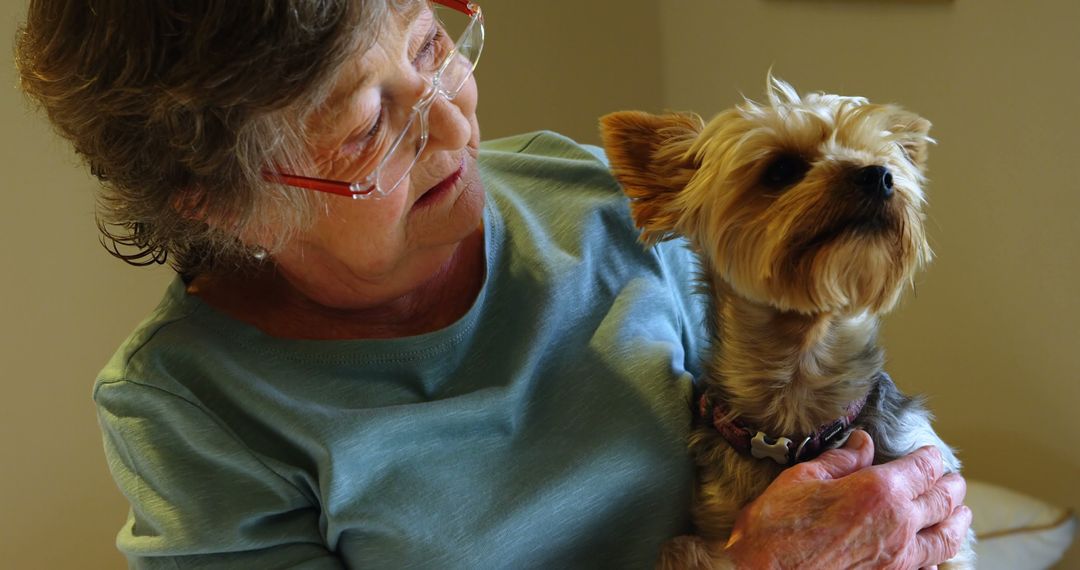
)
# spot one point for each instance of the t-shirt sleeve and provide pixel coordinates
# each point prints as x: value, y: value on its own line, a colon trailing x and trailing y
x: 199, y: 497
x: 680, y: 270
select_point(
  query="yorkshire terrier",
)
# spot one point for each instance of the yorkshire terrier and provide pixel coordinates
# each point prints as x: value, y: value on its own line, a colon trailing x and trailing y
x: 806, y: 216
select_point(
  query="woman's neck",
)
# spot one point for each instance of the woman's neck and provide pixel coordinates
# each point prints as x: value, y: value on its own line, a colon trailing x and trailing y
x: 268, y: 300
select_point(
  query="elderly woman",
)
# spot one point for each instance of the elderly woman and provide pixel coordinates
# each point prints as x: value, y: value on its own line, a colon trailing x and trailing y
x: 388, y: 345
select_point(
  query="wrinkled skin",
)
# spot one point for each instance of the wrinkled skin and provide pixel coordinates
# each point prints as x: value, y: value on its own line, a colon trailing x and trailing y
x: 839, y: 511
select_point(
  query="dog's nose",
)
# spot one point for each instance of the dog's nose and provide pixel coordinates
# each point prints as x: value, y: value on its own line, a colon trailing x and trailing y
x: 874, y: 180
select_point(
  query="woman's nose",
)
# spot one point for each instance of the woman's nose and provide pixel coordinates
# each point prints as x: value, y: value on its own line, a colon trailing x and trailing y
x: 449, y: 124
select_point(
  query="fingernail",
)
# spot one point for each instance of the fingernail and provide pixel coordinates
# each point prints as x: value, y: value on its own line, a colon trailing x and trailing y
x: 858, y: 441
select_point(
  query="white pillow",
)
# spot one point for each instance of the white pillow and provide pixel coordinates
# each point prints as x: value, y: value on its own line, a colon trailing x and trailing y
x: 1015, y: 531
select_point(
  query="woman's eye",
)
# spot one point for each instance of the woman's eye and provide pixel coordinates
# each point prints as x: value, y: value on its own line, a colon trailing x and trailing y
x: 428, y: 56
x: 360, y: 144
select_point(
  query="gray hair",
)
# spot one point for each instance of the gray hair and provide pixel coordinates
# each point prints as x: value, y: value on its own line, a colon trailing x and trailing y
x: 179, y: 106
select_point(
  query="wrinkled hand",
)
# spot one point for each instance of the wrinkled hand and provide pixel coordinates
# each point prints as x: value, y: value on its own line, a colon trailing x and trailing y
x: 838, y: 511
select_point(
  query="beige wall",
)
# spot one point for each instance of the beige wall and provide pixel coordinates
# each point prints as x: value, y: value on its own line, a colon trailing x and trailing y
x: 65, y: 307
x: 561, y: 64
x: 991, y: 337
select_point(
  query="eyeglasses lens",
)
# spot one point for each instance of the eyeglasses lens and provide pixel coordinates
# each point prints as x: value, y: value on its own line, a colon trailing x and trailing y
x: 447, y: 81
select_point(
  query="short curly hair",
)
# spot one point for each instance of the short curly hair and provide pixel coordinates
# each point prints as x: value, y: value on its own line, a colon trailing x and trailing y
x: 178, y: 106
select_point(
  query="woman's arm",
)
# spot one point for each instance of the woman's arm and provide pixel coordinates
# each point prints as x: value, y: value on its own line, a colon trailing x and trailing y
x: 199, y: 497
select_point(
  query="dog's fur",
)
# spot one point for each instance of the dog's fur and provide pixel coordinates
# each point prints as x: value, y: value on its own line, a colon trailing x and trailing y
x: 798, y: 260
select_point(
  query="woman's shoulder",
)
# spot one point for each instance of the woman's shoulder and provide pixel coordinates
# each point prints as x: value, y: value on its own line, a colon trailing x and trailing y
x: 544, y: 182
x: 168, y: 351
x: 554, y: 182
x: 544, y: 143
x: 545, y: 161
x: 559, y: 204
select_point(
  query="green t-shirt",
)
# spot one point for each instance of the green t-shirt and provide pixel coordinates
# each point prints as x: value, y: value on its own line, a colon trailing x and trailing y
x: 545, y: 429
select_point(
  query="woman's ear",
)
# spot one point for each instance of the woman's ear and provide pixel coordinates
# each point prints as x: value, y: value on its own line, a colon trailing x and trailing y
x: 650, y: 157
x: 193, y: 205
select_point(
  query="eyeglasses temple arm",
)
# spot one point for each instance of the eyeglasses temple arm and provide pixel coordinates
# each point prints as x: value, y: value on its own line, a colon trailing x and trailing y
x: 317, y: 184
x: 464, y: 6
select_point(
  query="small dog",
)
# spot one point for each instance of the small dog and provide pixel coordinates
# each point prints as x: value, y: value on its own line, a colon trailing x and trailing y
x: 806, y: 215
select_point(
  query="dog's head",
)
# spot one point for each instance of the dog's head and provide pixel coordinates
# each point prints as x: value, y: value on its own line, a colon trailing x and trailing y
x: 807, y: 203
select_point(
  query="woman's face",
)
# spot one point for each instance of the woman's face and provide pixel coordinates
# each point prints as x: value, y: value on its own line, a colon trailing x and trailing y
x: 363, y: 252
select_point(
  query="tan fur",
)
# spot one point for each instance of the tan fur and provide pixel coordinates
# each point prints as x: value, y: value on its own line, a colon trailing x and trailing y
x: 796, y: 276
x: 662, y: 141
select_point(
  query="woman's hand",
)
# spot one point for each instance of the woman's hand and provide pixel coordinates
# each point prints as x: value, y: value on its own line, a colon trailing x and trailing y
x: 839, y: 511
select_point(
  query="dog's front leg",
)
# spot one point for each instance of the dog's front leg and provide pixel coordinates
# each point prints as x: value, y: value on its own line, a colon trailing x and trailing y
x: 727, y: 481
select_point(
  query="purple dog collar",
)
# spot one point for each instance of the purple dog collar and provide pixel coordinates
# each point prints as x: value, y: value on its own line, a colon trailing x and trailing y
x: 783, y: 450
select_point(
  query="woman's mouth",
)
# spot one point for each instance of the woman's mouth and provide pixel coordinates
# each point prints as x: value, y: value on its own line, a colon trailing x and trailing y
x: 439, y: 191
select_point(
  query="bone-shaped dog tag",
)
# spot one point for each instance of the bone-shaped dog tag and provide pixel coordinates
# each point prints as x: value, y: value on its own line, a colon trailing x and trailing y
x: 777, y: 451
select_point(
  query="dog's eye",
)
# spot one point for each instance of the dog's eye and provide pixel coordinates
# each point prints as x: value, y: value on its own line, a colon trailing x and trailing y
x: 784, y: 170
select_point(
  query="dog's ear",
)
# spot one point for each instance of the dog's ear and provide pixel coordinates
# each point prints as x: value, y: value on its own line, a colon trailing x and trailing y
x: 912, y: 134
x: 650, y: 157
